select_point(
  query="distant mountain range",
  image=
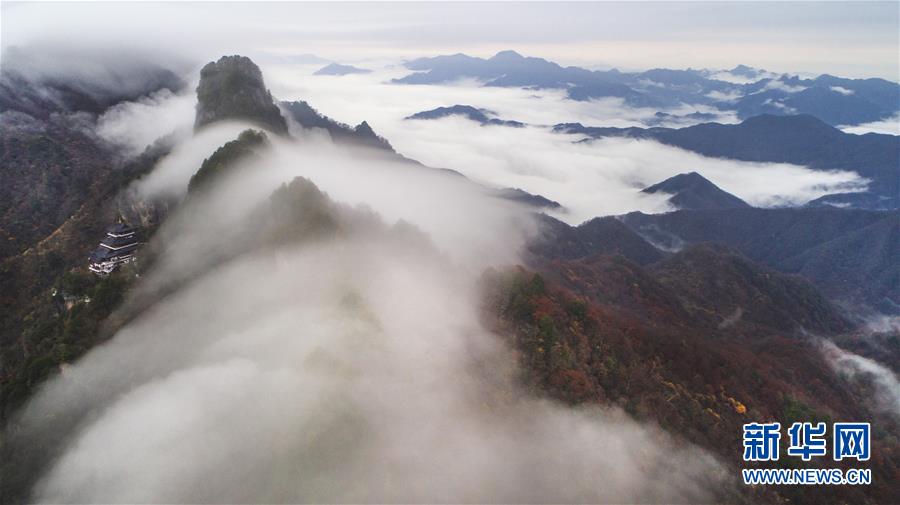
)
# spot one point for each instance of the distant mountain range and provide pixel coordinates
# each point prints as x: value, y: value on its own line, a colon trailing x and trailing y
x: 801, y: 140
x: 835, y: 100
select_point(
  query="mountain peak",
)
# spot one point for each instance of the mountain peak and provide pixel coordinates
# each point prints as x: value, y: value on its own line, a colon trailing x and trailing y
x: 686, y: 180
x: 339, y: 69
x: 233, y: 88
x: 480, y: 116
x: 366, y: 135
x: 507, y: 55
x: 473, y: 113
x: 745, y: 71
x: 693, y: 191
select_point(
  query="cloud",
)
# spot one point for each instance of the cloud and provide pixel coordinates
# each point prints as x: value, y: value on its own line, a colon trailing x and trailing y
x: 725, y: 96
x: 779, y: 85
x: 105, y: 74
x: 890, y: 126
x: 779, y: 105
x: 350, y: 369
x: 135, y: 125
x: 843, y: 91
x: 727, y: 76
x: 371, y: 97
x: 881, y: 323
x: 855, y: 367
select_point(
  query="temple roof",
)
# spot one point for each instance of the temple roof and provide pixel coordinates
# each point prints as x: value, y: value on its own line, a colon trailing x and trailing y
x: 120, y: 229
x: 118, y: 242
x: 101, y: 254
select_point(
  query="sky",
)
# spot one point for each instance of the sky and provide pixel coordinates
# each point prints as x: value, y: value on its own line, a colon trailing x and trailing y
x: 852, y: 39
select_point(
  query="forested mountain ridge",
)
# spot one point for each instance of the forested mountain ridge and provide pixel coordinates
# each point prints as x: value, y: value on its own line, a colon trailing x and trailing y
x: 603, y: 330
x: 849, y: 254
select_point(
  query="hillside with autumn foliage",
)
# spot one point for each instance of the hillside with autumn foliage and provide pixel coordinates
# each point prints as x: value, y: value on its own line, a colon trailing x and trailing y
x: 606, y: 331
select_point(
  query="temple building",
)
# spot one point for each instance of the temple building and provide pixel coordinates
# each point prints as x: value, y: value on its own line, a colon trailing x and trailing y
x: 116, y: 249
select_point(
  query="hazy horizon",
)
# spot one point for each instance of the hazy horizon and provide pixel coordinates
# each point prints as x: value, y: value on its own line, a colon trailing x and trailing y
x: 850, y: 39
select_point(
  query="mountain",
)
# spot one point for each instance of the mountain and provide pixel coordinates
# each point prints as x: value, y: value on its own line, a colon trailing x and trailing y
x: 602, y: 235
x: 63, y: 186
x: 835, y: 100
x: 338, y: 69
x: 51, y: 159
x: 226, y: 158
x: 39, y: 331
x: 511, y: 69
x: 707, y: 285
x: 233, y: 88
x: 745, y: 71
x: 361, y: 134
x: 849, y: 254
x: 604, y: 330
x: 481, y: 116
x: 716, y: 283
x: 661, y: 118
x: 40, y: 95
x: 60, y: 187
x: 367, y: 136
x: 49, y: 167
x: 693, y: 191
x: 800, y: 140
x: 522, y: 196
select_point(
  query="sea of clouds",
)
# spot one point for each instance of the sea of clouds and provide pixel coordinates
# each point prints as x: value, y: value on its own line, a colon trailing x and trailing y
x: 590, y: 179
